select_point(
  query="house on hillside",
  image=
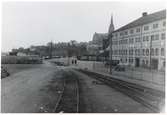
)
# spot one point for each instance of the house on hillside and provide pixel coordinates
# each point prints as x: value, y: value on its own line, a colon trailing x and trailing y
x: 21, y: 54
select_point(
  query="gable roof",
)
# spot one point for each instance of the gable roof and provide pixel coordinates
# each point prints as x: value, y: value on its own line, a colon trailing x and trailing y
x: 144, y: 20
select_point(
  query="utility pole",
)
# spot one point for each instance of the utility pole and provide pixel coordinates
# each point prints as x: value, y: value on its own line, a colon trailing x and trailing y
x: 51, y: 49
x: 110, y: 40
x: 150, y: 52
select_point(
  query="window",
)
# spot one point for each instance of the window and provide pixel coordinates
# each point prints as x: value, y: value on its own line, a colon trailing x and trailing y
x: 157, y: 37
x: 147, y: 52
x: 156, y: 51
x: 116, y: 52
x: 138, y: 30
x: 126, y: 32
x: 131, y: 31
x: 146, y: 28
x: 131, y: 40
x: 152, y: 37
x: 115, y: 42
x: 137, y: 39
x: 152, y: 52
x: 126, y: 52
x: 131, y: 52
x: 130, y: 60
x: 147, y: 38
x: 119, y: 41
x: 155, y: 26
x: 135, y: 51
x: 116, y: 35
x: 138, y: 51
x: 126, y: 41
x: 146, y: 62
x: 163, y: 63
x: 162, y: 52
x: 121, y: 33
x: 143, y: 52
x: 163, y: 36
x: 126, y: 60
x: 164, y: 23
x: 143, y: 62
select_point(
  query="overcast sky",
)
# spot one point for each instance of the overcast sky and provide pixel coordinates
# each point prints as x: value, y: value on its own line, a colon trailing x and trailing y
x: 36, y: 23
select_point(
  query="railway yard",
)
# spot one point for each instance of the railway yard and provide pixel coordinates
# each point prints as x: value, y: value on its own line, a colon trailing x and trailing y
x: 54, y: 89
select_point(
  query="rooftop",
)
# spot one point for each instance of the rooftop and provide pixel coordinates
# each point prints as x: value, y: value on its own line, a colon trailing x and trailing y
x: 145, y: 19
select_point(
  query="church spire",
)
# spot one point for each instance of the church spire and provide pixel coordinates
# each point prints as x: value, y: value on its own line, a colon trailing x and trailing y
x: 111, y: 27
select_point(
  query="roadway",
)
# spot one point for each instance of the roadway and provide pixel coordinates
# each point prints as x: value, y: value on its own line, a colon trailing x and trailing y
x: 37, y: 90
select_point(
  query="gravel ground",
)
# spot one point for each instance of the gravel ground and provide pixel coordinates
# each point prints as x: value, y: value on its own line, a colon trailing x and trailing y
x: 99, y: 98
x: 15, y: 68
x: 37, y: 90
x: 33, y: 90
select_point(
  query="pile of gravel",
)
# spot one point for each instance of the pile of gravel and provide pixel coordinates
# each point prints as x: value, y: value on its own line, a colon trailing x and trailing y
x: 4, y: 72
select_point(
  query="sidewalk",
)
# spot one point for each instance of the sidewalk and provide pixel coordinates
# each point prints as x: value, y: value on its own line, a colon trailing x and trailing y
x: 141, y: 78
x: 139, y: 82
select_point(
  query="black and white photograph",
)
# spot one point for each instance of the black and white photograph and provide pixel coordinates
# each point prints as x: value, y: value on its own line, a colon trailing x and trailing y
x: 83, y: 56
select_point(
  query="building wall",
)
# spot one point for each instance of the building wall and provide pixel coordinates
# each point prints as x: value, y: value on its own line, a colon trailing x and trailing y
x: 131, y: 44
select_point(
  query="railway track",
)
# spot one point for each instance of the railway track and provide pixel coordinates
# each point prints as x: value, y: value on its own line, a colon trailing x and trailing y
x: 150, y: 98
x: 68, y: 101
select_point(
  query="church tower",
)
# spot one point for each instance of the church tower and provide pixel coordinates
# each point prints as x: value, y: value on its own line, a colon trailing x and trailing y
x: 111, y: 27
x: 110, y: 30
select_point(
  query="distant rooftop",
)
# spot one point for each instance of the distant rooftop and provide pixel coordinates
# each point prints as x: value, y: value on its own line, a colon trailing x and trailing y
x: 146, y: 18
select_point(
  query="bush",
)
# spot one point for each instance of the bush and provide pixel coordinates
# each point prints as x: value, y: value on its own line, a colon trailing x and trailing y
x: 4, y: 72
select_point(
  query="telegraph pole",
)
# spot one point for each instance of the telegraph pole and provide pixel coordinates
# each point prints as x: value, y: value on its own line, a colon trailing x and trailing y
x: 110, y: 40
x: 51, y: 49
x: 150, y: 52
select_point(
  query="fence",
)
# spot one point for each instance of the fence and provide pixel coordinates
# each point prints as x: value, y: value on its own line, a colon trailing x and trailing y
x: 152, y: 76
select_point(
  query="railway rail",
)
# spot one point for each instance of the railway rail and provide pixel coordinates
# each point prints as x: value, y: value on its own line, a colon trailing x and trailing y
x: 68, y: 101
x: 153, y: 99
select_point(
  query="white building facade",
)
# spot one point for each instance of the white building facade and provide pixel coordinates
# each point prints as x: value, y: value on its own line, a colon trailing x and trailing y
x: 141, y: 43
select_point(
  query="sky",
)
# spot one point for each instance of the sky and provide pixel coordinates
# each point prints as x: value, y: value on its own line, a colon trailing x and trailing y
x: 37, y: 23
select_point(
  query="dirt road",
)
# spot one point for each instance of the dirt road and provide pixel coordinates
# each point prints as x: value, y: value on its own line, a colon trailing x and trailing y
x: 38, y: 90
x: 96, y: 97
x: 29, y: 91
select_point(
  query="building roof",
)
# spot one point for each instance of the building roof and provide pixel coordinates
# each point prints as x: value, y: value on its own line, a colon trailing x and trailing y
x: 98, y: 38
x: 144, y: 20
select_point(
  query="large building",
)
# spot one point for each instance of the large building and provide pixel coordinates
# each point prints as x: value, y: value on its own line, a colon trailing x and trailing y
x: 141, y: 43
x: 97, y: 43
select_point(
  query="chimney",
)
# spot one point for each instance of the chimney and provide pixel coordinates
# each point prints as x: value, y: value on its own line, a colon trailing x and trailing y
x: 144, y: 14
